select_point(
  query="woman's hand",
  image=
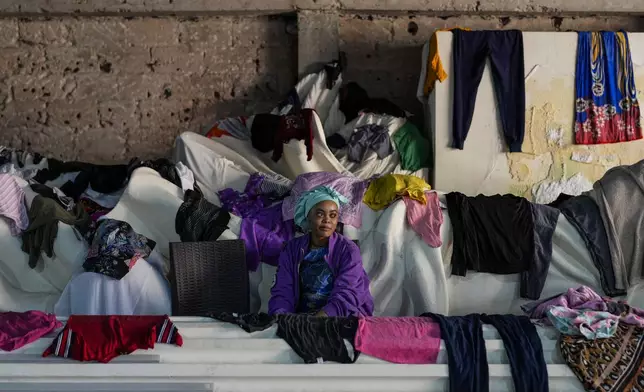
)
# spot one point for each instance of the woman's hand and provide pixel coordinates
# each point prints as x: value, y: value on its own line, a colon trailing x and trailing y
x: 321, y: 313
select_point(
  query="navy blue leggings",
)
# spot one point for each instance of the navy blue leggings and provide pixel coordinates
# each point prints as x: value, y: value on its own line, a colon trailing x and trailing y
x: 467, y: 356
x: 470, y: 52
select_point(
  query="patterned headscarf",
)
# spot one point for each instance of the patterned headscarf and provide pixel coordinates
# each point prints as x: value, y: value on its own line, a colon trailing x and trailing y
x: 309, y: 199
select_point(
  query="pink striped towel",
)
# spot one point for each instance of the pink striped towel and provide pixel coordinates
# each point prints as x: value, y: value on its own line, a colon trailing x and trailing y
x: 12, y: 204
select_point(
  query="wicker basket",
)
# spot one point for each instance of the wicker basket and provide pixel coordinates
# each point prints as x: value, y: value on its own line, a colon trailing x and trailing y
x: 209, y: 277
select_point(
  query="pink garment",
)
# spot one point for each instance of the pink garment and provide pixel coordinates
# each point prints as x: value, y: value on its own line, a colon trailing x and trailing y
x: 426, y: 219
x: 12, y: 204
x: 18, y: 329
x: 584, y: 298
x: 412, y: 340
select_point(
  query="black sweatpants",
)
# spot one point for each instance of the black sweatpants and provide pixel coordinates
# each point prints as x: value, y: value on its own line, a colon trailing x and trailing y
x: 583, y: 213
x: 470, y: 52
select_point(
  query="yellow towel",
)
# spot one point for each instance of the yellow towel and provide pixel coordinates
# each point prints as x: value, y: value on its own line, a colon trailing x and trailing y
x: 384, y: 190
x: 435, y: 69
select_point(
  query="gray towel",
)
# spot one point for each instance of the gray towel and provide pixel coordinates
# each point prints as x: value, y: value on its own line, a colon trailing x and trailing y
x: 534, y: 278
x: 620, y: 197
x: 583, y: 213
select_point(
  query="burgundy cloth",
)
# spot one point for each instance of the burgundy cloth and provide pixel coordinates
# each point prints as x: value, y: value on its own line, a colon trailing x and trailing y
x: 103, y: 338
x: 264, y: 234
x: 411, y: 340
x: 93, y: 209
x: 19, y: 329
x: 295, y: 126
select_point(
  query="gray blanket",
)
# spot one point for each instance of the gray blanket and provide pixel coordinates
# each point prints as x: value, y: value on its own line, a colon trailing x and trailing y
x: 620, y: 197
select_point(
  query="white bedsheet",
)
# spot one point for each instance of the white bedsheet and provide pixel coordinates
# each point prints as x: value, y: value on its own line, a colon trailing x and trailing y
x: 204, y: 157
x: 409, y: 277
x: 314, y: 95
x: 329, y: 120
x: 144, y: 290
x: 149, y: 204
x: 395, y: 258
x: 292, y: 163
x: 23, y: 288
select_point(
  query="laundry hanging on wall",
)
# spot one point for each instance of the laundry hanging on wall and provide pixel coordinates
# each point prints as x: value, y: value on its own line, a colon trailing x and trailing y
x: 606, y: 104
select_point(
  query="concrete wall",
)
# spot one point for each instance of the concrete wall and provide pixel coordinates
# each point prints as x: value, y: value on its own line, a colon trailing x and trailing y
x: 277, y: 6
x: 105, y: 89
x: 106, y: 80
x: 550, y: 163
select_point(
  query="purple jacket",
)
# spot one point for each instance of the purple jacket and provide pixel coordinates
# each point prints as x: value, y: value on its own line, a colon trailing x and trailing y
x: 350, y: 294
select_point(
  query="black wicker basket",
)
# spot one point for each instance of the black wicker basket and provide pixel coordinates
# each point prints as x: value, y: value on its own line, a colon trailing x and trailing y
x: 209, y: 277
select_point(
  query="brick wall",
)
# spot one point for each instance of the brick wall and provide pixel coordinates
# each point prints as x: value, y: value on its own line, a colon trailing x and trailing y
x: 104, y: 89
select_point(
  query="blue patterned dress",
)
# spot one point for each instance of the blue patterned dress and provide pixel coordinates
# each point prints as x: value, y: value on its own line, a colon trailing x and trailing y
x: 316, y: 281
x: 607, y: 109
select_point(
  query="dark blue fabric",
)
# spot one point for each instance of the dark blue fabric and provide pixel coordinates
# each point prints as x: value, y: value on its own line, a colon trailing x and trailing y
x: 524, y: 351
x: 470, y: 52
x: 336, y: 141
x: 583, y: 213
x: 467, y: 356
x: 292, y: 99
x: 316, y: 281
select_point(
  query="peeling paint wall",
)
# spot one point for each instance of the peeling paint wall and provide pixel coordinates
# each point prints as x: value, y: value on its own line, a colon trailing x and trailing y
x: 550, y: 163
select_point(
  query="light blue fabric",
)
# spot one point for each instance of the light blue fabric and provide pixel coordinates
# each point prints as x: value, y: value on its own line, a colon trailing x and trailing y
x: 309, y: 199
x: 589, y: 323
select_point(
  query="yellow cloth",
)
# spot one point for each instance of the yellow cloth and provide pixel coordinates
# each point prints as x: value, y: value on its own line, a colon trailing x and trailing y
x: 384, y: 190
x: 435, y: 69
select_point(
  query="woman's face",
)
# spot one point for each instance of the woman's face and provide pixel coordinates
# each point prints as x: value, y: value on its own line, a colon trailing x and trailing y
x: 323, y: 219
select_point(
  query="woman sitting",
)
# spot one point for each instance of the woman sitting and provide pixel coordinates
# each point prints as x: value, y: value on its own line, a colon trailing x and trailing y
x: 320, y: 273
